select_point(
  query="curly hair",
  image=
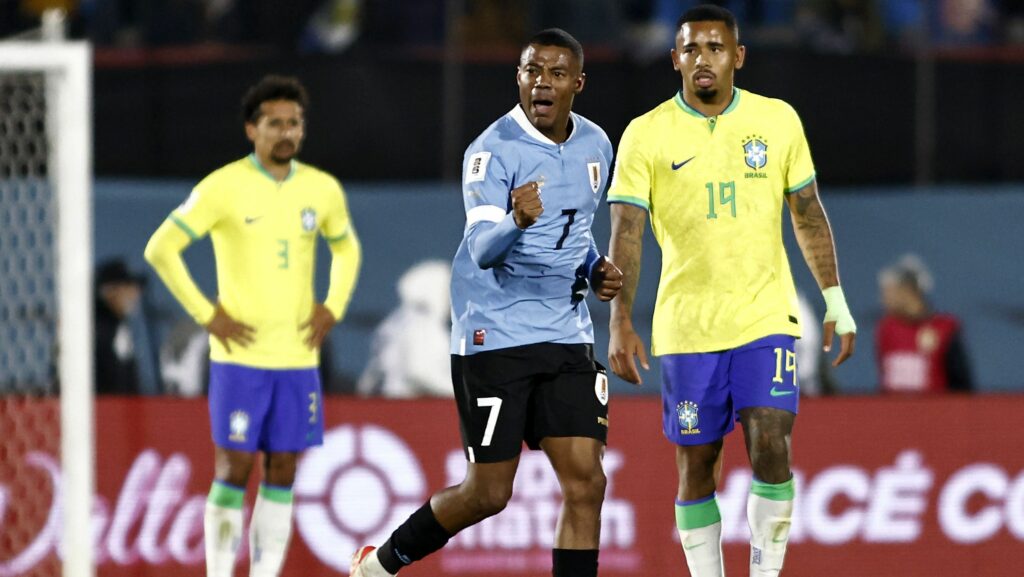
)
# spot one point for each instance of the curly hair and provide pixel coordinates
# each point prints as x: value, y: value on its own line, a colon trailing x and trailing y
x: 272, y: 87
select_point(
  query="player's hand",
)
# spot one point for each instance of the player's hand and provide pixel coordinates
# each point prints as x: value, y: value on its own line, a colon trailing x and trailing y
x: 227, y: 329
x: 838, y: 320
x: 624, y: 347
x: 527, y: 205
x: 319, y: 324
x: 847, y: 342
x: 605, y: 279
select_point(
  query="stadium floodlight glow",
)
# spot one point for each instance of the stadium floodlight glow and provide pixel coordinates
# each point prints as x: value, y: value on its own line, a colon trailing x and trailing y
x: 66, y: 70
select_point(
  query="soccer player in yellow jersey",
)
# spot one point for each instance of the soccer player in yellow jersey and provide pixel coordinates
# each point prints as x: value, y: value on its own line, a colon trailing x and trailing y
x: 714, y: 166
x: 263, y: 214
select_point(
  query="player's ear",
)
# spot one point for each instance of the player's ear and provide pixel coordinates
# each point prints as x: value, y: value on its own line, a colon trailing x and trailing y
x: 675, y: 59
x: 741, y: 55
x: 250, y: 131
x: 580, y: 81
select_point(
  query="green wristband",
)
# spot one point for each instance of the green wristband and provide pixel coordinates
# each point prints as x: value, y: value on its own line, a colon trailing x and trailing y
x: 837, y: 311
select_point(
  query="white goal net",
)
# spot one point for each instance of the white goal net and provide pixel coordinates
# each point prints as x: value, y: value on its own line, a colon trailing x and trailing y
x: 46, y: 382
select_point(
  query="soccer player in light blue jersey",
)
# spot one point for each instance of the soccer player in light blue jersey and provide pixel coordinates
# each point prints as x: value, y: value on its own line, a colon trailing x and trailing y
x: 522, y: 340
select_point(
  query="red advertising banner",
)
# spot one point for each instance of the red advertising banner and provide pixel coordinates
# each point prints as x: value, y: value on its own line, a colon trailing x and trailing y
x: 886, y: 487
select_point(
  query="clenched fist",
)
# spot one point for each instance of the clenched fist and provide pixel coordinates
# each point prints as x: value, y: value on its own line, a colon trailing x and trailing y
x: 526, y: 204
x: 606, y: 279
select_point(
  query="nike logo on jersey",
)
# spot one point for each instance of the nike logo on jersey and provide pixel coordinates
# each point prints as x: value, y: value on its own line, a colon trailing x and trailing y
x: 777, y: 393
x: 682, y: 164
x: 252, y: 219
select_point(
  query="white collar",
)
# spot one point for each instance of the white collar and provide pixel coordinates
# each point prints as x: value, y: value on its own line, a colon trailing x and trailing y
x: 519, y: 116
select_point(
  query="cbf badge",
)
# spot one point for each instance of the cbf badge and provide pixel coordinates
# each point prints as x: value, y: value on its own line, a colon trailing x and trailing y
x: 687, y: 413
x: 308, y: 219
x: 594, y: 170
x: 239, y: 425
x: 755, y: 152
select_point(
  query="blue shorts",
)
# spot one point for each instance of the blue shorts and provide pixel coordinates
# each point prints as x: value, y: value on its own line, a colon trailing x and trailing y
x: 702, y: 393
x: 272, y: 410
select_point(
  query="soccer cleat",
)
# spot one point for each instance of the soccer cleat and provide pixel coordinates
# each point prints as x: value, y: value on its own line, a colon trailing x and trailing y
x: 357, y: 560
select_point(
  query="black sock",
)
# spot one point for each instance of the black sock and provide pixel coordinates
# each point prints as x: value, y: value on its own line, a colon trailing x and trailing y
x: 574, y: 562
x: 413, y: 540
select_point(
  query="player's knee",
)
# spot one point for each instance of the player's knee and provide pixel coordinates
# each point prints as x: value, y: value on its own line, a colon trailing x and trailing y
x: 279, y: 469
x: 488, y: 500
x: 769, y: 443
x: 233, y: 468
x: 769, y: 456
x: 697, y: 463
x: 585, y: 491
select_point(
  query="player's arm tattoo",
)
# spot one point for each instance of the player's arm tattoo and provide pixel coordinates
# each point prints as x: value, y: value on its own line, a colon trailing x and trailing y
x: 814, y: 235
x: 625, y: 250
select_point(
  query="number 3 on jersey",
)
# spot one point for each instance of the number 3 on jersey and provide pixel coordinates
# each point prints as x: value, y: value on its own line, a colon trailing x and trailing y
x: 282, y: 254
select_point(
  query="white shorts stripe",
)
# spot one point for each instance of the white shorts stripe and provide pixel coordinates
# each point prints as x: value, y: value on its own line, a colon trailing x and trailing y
x: 487, y: 212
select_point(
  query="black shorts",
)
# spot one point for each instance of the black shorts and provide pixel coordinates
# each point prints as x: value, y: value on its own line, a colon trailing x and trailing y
x: 527, y: 393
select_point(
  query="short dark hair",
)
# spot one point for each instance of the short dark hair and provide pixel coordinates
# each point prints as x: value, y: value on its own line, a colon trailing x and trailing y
x: 272, y: 87
x: 560, y: 38
x: 710, y: 13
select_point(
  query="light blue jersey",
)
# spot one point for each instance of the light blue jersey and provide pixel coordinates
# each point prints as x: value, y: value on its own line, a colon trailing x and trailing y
x: 513, y: 287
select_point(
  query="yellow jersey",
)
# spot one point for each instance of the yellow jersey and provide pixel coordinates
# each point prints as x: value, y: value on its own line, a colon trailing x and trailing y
x: 714, y: 188
x: 264, y: 236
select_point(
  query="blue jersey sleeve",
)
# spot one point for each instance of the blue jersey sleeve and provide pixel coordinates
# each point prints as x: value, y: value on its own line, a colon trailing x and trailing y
x: 490, y: 229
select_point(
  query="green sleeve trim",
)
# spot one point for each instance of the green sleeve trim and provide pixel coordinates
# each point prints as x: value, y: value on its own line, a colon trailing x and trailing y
x: 612, y: 199
x: 333, y: 239
x: 276, y: 494
x: 781, y: 492
x: 181, y: 224
x: 696, y: 516
x: 809, y: 180
x: 225, y: 495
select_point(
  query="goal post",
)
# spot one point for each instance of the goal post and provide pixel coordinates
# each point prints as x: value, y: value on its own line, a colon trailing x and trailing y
x: 66, y: 70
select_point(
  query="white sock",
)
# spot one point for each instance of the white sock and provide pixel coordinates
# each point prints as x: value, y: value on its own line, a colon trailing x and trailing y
x: 700, y: 533
x: 371, y: 566
x: 769, y: 513
x: 222, y: 527
x: 269, y: 531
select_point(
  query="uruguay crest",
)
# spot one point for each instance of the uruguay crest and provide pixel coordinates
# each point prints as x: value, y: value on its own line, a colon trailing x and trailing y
x: 601, y: 388
x: 688, y: 421
x: 755, y: 153
x: 594, y: 170
x: 308, y: 219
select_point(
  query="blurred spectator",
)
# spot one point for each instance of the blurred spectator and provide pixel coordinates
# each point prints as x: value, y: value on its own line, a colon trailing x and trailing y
x: 843, y: 26
x: 122, y: 362
x: 963, y: 22
x: 333, y: 27
x: 410, y: 354
x: 1012, y: 16
x: 643, y: 28
x: 919, y: 350
x: 592, y: 22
